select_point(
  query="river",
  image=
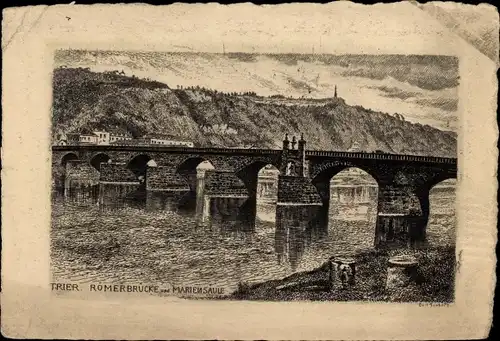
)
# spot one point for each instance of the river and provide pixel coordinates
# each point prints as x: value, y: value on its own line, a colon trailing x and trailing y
x: 166, y: 239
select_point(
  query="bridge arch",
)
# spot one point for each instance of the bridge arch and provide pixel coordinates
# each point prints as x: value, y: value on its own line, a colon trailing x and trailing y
x: 193, y: 169
x: 260, y: 207
x: 348, y: 215
x: 138, y: 164
x: 99, y: 158
x: 440, y: 177
x: 190, y: 164
x: 250, y: 172
x: 429, y: 199
x: 326, y: 171
x: 68, y: 157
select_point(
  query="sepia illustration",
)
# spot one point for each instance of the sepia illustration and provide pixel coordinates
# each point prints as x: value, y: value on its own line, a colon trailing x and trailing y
x: 255, y: 176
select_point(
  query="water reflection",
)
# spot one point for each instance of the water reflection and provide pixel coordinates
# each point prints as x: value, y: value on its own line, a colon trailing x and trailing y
x: 170, y: 201
x: 117, y: 196
x: 290, y: 245
x: 81, y: 192
x: 233, y: 217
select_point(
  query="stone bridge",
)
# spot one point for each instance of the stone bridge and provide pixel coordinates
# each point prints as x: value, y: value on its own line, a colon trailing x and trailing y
x: 404, y: 181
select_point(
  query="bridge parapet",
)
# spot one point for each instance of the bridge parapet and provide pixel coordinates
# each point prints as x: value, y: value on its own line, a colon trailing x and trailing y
x: 168, y: 149
x: 380, y: 156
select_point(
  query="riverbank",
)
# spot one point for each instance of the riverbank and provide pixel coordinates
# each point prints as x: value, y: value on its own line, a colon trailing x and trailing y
x: 434, y: 281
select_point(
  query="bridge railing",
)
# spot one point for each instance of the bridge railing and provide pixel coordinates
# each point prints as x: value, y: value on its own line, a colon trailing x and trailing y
x: 156, y: 148
x: 246, y: 151
x: 381, y: 156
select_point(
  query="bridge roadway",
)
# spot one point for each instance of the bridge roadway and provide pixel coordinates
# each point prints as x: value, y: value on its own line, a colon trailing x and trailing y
x: 404, y: 181
x: 255, y: 152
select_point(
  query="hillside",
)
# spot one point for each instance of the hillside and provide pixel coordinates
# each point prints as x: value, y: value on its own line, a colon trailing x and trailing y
x: 85, y: 100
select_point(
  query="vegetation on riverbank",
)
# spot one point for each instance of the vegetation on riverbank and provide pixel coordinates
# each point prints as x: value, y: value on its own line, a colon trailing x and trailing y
x: 433, y: 282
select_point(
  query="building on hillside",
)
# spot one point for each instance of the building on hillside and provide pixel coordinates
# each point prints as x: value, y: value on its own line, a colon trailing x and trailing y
x: 72, y: 138
x: 119, y: 137
x: 88, y: 138
x: 103, y: 137
x: 97, y: 137
x: 166, y: 140
x: 130, y: 142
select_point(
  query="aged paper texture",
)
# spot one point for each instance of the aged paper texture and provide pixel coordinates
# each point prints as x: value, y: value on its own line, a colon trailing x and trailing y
x: 297, y: 171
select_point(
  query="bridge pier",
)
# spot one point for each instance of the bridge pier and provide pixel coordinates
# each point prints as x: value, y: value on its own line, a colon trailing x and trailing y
x: 79, y: 173
x: 299, y: 204
x: 163, y: 178
x: 117, y: 184
x: 402, y: 216
x: 166, y: 190
x: 223, y: 197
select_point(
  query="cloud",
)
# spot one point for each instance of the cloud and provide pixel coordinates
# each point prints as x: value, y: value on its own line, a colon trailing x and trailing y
x: 427, y: 72
x: 394, y: 92
x: 446, y: 104
x: 443, y: 103
x: 299, y: 85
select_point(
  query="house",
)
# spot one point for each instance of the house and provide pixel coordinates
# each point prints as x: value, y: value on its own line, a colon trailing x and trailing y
x: 166, y: 140
x: 103, y: 137
x: 97, y: 137
x: 72, y: 138
x: 129, y: 142
x: 119, y: 137
x: 88, y: 138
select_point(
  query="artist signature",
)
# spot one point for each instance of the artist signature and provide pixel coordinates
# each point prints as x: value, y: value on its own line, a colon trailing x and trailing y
x: 433, y: 304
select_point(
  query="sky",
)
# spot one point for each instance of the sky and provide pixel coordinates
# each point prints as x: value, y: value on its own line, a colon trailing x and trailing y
x: 423, y: 89
x: 410, y: 65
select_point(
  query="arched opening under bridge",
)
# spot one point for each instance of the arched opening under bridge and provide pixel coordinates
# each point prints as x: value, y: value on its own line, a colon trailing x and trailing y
x: 348, y: 216
x: 139, y: 165
x: 260, y: 182
x: 59, y: 173
x: 98, y: 159
x: 441, y: 224
x: 68, y: 157
x: 192, y: 171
